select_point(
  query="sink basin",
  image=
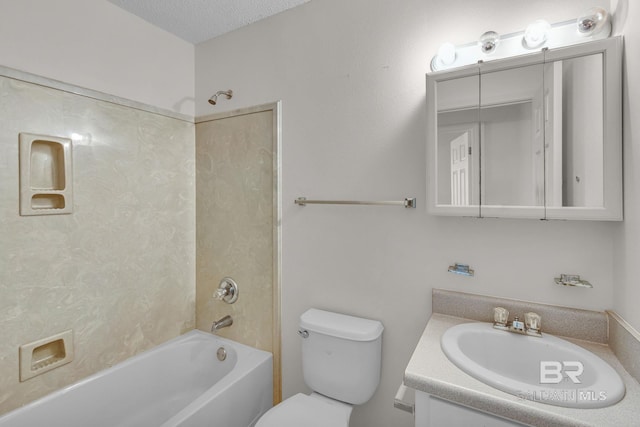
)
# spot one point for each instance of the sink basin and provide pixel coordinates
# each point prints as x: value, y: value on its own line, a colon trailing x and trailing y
x: 547, y: 370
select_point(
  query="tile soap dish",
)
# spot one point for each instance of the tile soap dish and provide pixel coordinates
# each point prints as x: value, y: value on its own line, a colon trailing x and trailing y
x: 45, y: 175
x: 46, y: 354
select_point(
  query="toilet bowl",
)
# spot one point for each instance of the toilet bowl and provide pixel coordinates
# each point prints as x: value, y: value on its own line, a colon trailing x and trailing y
x: 301, y: 410
x: 341, y: 360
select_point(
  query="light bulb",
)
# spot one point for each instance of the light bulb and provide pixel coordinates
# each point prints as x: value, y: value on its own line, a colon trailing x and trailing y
x: 445, y: 57
x: 488, y: 42
x: 447, y: 53
x: 593, y: 22
x: 536, y: 33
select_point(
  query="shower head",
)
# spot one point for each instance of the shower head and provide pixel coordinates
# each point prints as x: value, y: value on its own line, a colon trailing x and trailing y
x: 214, y: 99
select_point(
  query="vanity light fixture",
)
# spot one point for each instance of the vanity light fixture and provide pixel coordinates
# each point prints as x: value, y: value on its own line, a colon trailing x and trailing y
x: 488, y: 42
x: 594, y: 24
x: 594, y: 21
x: 536, y: 34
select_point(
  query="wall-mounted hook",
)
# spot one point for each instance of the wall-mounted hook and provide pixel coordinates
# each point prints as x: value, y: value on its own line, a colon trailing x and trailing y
x: 572, y: 280
x: 462, y: 269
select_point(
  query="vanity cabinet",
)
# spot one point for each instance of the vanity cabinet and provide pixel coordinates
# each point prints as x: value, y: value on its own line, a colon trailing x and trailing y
x: 533, y: 136
x: 433, y: 412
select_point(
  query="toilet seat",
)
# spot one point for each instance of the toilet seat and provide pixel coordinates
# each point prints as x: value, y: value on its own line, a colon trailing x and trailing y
x: 308, y: 411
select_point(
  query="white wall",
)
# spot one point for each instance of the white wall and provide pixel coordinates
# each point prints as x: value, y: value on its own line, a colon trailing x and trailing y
x: 351, y: 78
x: 627, y: 288
x: 96, y: 45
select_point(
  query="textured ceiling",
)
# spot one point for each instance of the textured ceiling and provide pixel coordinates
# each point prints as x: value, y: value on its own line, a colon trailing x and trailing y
x: 198, y: 20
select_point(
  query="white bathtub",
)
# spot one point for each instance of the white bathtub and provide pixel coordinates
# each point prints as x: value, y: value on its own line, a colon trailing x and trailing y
x: 179, y: 383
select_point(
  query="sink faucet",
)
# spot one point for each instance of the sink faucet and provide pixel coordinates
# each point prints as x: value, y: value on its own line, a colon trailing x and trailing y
x: 225, y: 322
x: 531, y: 325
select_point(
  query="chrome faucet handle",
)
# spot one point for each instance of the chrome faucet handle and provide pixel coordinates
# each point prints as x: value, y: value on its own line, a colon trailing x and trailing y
x: 532, y: 322
x: 500, y: 318
x: 220, y: 293
x: 227, y: 291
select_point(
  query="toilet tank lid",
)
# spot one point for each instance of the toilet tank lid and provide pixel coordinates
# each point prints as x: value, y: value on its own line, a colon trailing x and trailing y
x: 340, y: 325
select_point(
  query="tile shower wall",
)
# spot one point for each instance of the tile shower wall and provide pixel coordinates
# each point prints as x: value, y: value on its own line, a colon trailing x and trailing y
x: 234, y: 193
x: 119, y: 271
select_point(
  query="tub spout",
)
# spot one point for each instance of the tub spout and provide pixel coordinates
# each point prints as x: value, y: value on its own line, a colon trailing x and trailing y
x: 225, y: 322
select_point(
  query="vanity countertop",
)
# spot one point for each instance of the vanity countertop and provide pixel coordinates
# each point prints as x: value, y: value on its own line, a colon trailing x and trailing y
x: 430, y: 371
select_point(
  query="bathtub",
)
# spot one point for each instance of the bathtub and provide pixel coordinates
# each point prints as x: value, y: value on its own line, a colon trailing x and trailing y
x: 179, y: 383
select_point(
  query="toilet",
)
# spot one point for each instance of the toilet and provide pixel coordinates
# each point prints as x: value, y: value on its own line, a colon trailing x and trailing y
x: 341, y: 359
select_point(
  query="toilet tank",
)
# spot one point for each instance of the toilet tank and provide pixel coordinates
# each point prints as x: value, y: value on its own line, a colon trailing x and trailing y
x: 341, y: 355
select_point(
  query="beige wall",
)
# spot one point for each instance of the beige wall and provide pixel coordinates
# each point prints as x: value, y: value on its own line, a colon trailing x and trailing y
x: 119, y: 270
x: 237, y: 226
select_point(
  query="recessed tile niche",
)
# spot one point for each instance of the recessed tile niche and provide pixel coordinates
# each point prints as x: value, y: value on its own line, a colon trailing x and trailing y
x: 45, y: 175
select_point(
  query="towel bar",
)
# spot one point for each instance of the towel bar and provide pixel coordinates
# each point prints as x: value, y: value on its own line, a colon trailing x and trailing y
x: 409, y: 202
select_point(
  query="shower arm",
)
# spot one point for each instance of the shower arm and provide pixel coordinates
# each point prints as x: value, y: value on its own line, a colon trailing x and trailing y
x: 214, y: 99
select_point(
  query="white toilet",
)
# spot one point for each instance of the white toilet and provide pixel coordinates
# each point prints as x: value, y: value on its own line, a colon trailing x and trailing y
x: 341, y: 358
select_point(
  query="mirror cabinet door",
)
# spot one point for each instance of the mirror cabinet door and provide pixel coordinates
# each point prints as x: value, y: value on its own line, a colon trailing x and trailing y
x: 583, y: 141
x: 574, y: 95
x: 457, y: 145
x: 529, y: 137
x: 512, y: 142
x: 575, y: 149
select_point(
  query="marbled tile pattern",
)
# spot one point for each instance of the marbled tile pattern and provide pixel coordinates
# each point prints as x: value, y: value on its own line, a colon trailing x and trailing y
x: 234, y: 188
x: 120, y: 270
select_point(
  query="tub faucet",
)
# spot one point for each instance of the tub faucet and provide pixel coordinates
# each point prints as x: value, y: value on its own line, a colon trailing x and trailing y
x: 225, y: 322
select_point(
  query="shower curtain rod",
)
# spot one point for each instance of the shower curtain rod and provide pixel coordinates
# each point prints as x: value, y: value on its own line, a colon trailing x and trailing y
x: 409, y: 202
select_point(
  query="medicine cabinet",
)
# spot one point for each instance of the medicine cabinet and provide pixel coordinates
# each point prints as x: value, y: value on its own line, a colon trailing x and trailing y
x: 533, y: 136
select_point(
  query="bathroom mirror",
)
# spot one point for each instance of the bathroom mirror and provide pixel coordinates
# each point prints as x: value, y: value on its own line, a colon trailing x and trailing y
x: 534, y: 136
